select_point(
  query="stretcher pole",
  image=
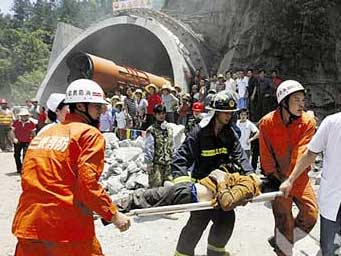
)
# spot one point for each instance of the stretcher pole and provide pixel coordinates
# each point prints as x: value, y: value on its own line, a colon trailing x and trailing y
x: 171, y: 209
x: 195, y: 206
x: 179, y: 208
x: 266, y: 197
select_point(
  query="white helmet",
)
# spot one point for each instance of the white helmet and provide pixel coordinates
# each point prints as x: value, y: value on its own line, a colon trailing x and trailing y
x: 84, y: 91
x: 286, y: 88
x: 54, y: 101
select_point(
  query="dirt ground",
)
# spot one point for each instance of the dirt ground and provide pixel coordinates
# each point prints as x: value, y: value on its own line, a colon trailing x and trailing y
x: 155, y: 236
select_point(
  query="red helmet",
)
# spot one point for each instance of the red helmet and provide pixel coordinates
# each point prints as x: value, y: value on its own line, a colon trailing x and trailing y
x: 3, y: 101
x: 198, y: 107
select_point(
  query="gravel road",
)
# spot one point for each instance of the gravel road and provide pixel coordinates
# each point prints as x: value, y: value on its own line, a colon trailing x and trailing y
x: 155, y: 236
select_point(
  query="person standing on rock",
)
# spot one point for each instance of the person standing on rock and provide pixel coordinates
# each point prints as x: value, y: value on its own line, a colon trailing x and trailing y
x: 284, y: 135
x: 326, y: 140
x: 60, y: 182
x: 158, y: 150
x: 207, y: 146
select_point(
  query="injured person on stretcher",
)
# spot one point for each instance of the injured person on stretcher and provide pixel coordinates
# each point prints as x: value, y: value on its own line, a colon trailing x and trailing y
x: 227, y: 190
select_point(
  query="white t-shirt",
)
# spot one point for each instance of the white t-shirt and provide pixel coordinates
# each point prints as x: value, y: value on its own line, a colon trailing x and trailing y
x: 230, y: 85
x: 121, y: 119
x: 246, y: 129
x: 242, y: 85
x: 328, y: 140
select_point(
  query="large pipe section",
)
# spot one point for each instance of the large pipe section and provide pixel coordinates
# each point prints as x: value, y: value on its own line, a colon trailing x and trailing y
x: 107, y: 74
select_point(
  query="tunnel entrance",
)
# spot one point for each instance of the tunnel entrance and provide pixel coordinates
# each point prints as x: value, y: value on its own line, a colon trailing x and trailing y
x: 130, y: 45
x: 142, y: 43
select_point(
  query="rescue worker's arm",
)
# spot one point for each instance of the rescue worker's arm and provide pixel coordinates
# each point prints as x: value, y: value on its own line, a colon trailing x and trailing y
x: 268, y: 163
x: 317, y: 144
x: 239, y: 156
x: 307, y: 159
x: 185, y: 156
x: 307, y: 134
x: 89, y: 168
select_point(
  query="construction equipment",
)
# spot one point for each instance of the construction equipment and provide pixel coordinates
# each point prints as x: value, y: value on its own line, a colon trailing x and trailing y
x: 179, y: 208
x: 107, y: 74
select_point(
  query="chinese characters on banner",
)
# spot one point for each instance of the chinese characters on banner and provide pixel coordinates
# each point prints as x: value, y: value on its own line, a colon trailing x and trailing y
x: 128, y: 4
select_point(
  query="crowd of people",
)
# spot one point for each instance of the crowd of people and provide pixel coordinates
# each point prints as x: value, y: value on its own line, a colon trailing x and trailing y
x: 225, y: 116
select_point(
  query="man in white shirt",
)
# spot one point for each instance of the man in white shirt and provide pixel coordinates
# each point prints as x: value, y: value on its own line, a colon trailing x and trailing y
x: 242, y: 83
x: 220, y: 85
x: 247, y: 128
x: 326, y: 140
x: 120, y: 116
x: 230, y: 84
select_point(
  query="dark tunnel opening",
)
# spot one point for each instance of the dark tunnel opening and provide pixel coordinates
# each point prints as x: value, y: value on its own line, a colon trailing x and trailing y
x: 132, y: 46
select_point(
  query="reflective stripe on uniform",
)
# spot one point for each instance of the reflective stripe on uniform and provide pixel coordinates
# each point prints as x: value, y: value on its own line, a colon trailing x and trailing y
x: 214, y: 152
x: 216, y: 249
x: 183, y: 179
x: 5, y: 119
x: 180, y: 254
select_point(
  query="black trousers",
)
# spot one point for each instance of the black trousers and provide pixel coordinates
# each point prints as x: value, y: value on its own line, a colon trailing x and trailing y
x: 18, y: 147
x: 160, y: 196
x: 220, y: 232
x: 254, y: 153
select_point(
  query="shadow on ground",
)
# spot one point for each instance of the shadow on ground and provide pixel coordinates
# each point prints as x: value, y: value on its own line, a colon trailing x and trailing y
x: 12, y: 174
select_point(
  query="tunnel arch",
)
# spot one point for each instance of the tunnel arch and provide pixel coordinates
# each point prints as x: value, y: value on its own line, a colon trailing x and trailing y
x: 160, y: 51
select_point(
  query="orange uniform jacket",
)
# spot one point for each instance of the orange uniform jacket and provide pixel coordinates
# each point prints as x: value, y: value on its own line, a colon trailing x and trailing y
x: 60, y: 184
x: 281, y: 147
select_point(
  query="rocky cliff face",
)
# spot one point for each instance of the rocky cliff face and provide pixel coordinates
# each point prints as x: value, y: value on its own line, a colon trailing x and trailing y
x: 237, y: 34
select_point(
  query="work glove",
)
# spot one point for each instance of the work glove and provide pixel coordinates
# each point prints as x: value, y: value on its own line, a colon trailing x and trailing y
x: 209, y: 183
x: 217, y: 175
x: 236, y: 190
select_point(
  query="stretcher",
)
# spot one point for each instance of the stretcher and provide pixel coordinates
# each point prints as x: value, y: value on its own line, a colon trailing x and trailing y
x: 200, y: 206
x: 169, y: 209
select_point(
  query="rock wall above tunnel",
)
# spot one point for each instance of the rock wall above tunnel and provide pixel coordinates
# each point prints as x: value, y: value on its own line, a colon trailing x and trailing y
x: 231, y: 32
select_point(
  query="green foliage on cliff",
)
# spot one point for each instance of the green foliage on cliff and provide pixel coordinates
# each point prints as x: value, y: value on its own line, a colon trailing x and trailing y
x: 26, y: 37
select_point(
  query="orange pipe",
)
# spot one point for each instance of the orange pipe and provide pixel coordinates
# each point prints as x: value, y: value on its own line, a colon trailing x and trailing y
x: 109, y: 75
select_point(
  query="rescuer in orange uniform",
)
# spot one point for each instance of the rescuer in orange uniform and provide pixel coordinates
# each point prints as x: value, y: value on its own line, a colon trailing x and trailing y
x: 284, y: 135
x: 60, y: 182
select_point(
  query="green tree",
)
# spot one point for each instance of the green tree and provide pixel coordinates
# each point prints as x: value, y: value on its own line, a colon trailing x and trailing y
x: 68, y: 11
x: 22, y: 12
x: 44, y: 18
x: 26, y: 39
x: 27, y: 85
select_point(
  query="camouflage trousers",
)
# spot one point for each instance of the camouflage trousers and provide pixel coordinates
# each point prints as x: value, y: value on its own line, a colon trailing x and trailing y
x: 5, y: 141
x: 159, y: 174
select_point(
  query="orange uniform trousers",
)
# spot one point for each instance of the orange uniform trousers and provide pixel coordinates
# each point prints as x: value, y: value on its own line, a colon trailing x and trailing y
x: 29, y: 247
x: 289, y: 229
